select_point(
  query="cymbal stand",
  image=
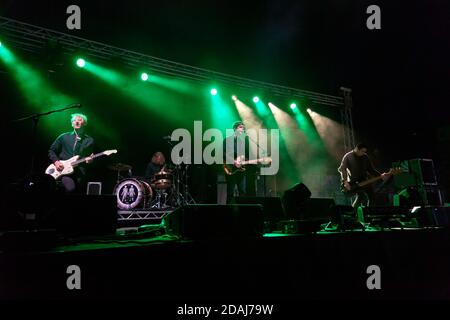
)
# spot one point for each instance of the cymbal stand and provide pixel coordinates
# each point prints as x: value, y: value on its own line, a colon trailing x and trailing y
x: 181, y: 178
x: 178, y: 195
x: 158, y: 203
x: 186, y: 196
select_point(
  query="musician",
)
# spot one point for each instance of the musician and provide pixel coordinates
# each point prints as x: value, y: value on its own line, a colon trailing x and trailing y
x: 157, y: 163
x: 69, y: 144
x: 238, y: 145
x: 355, y: 167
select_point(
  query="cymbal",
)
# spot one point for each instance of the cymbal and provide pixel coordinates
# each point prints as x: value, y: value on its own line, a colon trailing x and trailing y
x: 120, y: 167
x: 163, y: 172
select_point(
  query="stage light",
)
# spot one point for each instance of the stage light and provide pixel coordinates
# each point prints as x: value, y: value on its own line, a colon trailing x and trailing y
x: 293, y: 106
x: 234, y: 98
x: 213, y: 91
x: 255, y: 99
x: 81, y: 63
x: 308, y: 110
x: 144, y: 76
x: 0, y: 43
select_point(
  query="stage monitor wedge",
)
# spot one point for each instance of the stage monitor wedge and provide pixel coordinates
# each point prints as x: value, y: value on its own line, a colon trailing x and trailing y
x: 212, y: 221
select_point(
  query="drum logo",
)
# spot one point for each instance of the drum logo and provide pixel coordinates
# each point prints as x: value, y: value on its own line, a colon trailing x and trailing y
x: 128, y: 194
x: 132, y: 193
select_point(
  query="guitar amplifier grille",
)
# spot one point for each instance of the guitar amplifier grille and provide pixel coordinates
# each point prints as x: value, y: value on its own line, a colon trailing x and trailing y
x: 94, y: 188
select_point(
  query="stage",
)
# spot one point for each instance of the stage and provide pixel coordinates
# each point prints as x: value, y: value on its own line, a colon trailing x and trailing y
x: 149, y: 264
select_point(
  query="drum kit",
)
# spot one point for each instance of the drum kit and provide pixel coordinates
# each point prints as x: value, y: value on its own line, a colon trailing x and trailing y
x: 166, y: 190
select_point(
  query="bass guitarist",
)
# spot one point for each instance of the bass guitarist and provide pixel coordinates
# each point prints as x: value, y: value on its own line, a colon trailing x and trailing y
x: 355, y: 167
x: 69, y: 144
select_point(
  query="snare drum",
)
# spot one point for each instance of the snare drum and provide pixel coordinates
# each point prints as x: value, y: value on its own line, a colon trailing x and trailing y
x: 132, y: 193
x: 162, y: 180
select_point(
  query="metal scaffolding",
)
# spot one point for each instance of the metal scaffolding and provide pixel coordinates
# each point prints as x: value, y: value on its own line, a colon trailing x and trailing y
x: 347, y: 120
x: 33, y: 38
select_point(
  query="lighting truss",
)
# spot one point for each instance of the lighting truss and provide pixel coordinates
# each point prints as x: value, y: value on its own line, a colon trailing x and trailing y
x: 347, y: 119
x: 33, y: 38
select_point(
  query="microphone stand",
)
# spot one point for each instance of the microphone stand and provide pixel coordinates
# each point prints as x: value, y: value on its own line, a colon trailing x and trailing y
x: 35, y: 117
x: 264, y: 154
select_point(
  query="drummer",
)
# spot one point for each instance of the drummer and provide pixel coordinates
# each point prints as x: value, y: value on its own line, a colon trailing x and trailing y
x: 157, y: 164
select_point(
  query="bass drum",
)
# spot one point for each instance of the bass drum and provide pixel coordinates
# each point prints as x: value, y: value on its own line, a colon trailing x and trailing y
x: 133, y: 193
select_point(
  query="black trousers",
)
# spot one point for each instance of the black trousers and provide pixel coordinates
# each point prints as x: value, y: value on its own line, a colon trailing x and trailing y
x: 240, y: 184
x: 364, y: 197
x: 236, y: 181
x: 73, y: 184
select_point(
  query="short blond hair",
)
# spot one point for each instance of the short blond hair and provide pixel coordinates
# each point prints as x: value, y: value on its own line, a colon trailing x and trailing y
x: 74, y: 115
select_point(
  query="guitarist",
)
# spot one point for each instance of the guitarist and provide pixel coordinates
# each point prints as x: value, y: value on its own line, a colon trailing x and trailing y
x: 238, y: 145
x: 355, y: 167
x: 69, y: 144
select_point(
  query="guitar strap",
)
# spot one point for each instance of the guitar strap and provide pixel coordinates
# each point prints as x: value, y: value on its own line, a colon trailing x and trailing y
x: 77, y: 143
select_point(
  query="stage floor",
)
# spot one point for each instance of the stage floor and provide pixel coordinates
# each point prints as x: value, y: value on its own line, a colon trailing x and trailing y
x: 145, y: 263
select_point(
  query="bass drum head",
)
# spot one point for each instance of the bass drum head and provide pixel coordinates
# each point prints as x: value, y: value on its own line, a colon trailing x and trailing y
x: 132, y: 193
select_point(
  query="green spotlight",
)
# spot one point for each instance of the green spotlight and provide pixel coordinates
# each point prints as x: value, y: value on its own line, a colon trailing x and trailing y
x: 293, y: 106
x: 234, y: 98
x: 144, y: 76
x: 255, y: 99
x: 309, y: 110
x: 81, y: 63
x: 0, y: 43
x: 213, y: 91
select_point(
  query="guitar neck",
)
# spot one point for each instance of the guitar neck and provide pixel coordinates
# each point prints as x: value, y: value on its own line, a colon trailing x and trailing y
x: 84, y: 159
x: 365, y: 183
x: 252, y: 161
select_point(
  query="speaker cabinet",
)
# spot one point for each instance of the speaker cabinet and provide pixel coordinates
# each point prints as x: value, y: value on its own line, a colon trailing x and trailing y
x: 309, y: 209
x: 210, y: 221
x: 294, y: 198
x: 416, y: 172
x: 433, y: 216
x: 80, y: 215
x: 272, y: 207
x: 424, y: 171
x: 431, y: 195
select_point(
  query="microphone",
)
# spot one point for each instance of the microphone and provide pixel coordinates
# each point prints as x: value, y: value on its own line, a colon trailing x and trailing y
x: 76, y: 105
x: 167, y: 137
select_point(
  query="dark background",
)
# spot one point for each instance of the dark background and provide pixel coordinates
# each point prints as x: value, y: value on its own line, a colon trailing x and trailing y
x: 399, y: 74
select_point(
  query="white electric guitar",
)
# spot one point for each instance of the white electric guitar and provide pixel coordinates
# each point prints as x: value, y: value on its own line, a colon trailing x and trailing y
x: 69, y: 164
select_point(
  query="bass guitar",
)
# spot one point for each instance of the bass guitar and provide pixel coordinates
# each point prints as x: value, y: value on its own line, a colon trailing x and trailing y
x: 231, y: 169
x: 71, y: 163
x: 355, y: 187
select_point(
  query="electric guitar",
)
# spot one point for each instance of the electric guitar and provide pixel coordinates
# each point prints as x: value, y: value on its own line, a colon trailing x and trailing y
x: 231, y: 169
x: 358, y: 186
x: 69, y: 164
